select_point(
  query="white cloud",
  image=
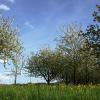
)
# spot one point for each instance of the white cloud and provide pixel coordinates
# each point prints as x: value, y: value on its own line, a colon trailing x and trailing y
x: 4, y: 77
x: 12, y: 1
x: 28, y: 24
x: 4, y: 7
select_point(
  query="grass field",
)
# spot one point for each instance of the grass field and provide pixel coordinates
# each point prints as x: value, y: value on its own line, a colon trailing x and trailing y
x: 44, y: 92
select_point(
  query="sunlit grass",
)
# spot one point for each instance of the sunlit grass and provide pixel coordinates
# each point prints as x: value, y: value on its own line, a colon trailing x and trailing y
x: 44, y: 92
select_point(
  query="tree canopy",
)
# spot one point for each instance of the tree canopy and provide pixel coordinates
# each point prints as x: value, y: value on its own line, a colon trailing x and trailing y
x: 10, y: 43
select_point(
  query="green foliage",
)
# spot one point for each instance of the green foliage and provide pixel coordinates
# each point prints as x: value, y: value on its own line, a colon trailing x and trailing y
x: 70, y: 43
x: 82, y: 51
x: 92, y: 36
x: 96, y: 14
x: 45, y: 63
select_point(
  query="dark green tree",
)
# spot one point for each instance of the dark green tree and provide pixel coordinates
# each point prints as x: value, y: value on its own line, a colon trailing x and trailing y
x: 96, y: 14
x: 70, y: 43
x: 44, y: 64
x: 92, y: 40
x: 92, y: 35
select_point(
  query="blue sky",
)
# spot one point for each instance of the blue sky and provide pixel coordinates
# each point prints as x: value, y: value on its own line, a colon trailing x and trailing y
x: 39, y: 21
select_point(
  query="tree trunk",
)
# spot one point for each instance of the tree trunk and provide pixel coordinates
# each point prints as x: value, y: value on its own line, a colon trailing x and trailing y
x: 15, y: 81
x: 48, y: 82
x: 48, y: 77
x: 86, y: 75
x: 66, y: 80
x: 74, y: 76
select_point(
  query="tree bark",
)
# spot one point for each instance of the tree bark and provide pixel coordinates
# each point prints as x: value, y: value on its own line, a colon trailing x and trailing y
x: 15, y: 81
x: 74, y: 76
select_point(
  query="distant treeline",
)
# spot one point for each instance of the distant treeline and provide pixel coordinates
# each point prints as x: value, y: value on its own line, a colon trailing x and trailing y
x: 75, y: 60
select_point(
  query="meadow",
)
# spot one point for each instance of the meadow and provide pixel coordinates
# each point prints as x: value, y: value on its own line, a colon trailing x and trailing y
x: 52, y: 92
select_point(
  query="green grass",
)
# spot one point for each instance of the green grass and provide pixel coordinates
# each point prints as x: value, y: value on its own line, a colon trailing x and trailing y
x: 44, y: 92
